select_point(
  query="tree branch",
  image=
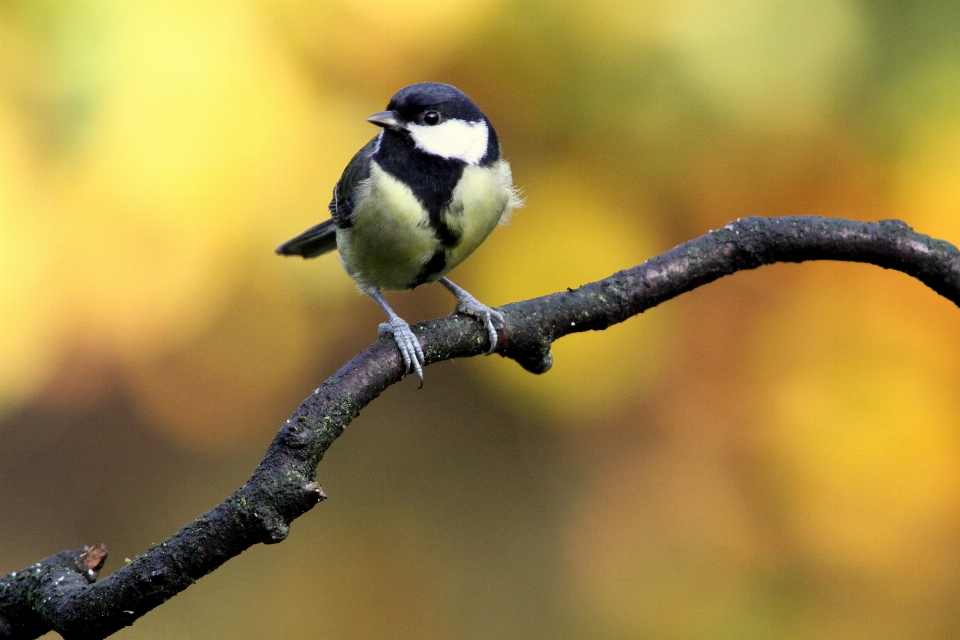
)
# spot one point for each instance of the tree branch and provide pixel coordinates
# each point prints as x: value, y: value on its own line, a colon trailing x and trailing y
x: 60, y: 594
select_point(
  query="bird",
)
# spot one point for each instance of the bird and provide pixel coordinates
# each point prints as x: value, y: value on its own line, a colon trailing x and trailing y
x: 416, y: 201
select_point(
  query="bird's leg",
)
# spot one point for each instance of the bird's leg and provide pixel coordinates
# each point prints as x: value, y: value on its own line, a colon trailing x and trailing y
x: 469, y: 305
x: 407, y: 342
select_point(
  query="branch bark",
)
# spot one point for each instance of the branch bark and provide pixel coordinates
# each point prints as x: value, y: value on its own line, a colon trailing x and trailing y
x: 59, y: 593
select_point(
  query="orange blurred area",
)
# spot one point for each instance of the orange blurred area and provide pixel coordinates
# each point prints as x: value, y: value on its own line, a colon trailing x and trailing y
x: 774, y: 455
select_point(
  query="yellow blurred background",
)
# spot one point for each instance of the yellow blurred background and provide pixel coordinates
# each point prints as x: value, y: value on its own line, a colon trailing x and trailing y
x: 776, y: 455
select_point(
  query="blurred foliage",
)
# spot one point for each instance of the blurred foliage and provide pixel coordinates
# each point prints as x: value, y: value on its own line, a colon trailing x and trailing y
x: 776, y: 455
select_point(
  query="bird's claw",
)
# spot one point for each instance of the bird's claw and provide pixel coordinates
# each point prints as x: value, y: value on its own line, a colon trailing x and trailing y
x: 410, y: 349
x: 469, y: 305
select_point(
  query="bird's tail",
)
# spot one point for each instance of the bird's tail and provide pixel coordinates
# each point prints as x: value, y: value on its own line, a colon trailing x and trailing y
x: 313, y: 242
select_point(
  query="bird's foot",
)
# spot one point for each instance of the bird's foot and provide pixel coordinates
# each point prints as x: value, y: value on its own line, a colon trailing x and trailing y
x: 410, y: 349
x: 469, y: 305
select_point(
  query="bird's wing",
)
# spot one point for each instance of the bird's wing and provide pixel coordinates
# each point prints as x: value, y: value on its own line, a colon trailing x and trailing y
x: 313, y: 242
x: 341, y: 207
x: 322, y: 238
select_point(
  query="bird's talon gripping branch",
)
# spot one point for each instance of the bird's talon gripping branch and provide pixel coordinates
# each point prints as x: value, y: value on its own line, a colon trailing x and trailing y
x: 410, y: 349
x: 469, y: 305
x: 488, y: 316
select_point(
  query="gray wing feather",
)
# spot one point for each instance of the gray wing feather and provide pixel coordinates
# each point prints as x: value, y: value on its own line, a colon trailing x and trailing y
x: 322, y: 238
x: 358, y: 170
x: 313, y: 242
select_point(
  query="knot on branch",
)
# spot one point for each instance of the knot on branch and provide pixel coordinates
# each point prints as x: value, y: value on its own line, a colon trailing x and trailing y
x: 535, y: 358
x: 526, y: 341
x: 274, y: 527
x: 273, y: 505
x: 296, y: 432
x: 257, y: 509
x: 313, y: 493
x: 31, y: 599
x: 90, y: 560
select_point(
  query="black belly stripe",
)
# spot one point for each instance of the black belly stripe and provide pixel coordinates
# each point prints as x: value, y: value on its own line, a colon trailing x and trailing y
x: 447, y: 236
x: 436, y: 264
x: 431, y: 178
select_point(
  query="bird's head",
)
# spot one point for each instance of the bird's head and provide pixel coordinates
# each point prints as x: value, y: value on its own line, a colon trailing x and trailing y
x: 440, y: 120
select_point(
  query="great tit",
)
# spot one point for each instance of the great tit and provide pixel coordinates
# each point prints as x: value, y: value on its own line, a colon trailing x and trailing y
x: 415, y: 202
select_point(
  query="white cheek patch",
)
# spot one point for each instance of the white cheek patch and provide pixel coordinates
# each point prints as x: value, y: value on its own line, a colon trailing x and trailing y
x: 466, y: 141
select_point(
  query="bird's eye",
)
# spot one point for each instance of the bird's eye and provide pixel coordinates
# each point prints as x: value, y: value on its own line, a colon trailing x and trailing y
x: 431, y: 118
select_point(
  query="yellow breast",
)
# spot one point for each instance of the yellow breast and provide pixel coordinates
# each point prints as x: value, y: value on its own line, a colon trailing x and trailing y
x: 391, y: 238
x: 483, y: 198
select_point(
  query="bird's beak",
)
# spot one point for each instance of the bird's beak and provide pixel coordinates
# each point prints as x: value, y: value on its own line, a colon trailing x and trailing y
x: 387, y: 120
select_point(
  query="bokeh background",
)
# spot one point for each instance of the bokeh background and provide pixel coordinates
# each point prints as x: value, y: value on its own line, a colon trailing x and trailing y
x: 776, y: 455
